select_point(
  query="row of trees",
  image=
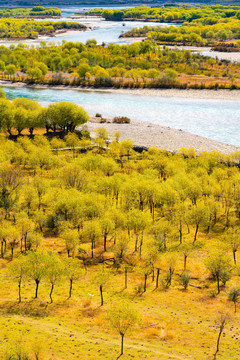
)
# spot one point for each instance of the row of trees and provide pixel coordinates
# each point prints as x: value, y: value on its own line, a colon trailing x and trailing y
x: 193, y: 33
x: 30, y: 29
x: 189, y: 13
x: 137, y: 63
x: 26, y: 12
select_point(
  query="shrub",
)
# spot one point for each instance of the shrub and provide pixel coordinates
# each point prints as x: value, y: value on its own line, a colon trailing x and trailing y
x: 121, y: 120
x: 184, y: 279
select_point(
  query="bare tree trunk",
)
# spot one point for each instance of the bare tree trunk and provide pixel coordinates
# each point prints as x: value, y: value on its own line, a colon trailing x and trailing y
x: 36, y: 291
x: 185, y: 262
x: 222, y: 325
x: 50, y: 295
x: 218, y: 284
x: 180, y: 232
x: 19, y: 291
x: 105, y: 242
x: 234, y: 257
x: 2, y: 249
x: 195, y: 235
x: 126, y: 273
x: 92, y: 247
x: 136, y: 242
x: 145, y: 282
x: 70, y: 289
x: 122, y: 335
x: 101, y: 293
x: 157, y: 277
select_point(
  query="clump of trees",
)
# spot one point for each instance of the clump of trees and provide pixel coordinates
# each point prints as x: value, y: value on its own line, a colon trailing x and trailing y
x: 23, y: 114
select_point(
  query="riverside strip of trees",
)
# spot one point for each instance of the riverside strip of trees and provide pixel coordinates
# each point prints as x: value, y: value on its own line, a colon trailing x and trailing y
x: 30, y: 29
x: 200, y: 25
x: 142, y: 64
x: 36, y: 11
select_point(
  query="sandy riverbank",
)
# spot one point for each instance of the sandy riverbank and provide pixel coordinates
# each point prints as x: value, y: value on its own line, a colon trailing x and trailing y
x: 190, y: 93
x: 162, y: 137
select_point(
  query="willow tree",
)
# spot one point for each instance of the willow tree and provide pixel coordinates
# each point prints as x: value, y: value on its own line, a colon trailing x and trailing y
x: 122, y: 318
x: 66, y: 115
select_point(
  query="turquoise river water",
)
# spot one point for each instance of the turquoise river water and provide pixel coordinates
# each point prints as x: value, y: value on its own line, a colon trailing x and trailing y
x: 214, y: 119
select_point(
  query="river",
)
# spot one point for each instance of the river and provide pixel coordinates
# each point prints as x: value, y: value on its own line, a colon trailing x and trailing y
x: 109, y: 32
x: 211, y: 118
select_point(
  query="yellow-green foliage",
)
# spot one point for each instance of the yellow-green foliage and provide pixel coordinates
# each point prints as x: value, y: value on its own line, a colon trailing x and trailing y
x: 26, y: 12
x: 26, y: 28
x: 119, y: 216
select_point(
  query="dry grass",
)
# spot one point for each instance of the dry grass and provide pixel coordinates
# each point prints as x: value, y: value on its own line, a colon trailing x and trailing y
x: 78, y: 328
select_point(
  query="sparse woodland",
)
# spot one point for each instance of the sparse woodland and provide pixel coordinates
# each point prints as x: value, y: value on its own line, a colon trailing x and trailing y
x: 85, y: 227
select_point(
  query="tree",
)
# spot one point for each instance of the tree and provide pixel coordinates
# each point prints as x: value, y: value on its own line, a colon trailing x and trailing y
x: 11, y: 178
x: 219, y: 266
x: 12, y: 236
x: 71, y: 238
x: 234, y: 296
x: 122, y: 318
x: 10, y: 69
x: 159, y: 231
x: 36, y: 264
x: 101, y: 278
x: 198, y: 215
x: 186, y: 250
x: 121, y: 246
x: 170, y: 261
x: 18, y: 271
x: 83, y: 69
x: 26, y: 226
x: 233, y: 239
x: 66, y: 115
x: 54, y: 271
x: 6, y: 115
x: 101, y: 133
x: 92, y: 232
x: 107, y: 226
x: 222, y: 324
x: 73, y: 271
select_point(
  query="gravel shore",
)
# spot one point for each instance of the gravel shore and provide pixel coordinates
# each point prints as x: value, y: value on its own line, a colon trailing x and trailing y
x: 162, y: 137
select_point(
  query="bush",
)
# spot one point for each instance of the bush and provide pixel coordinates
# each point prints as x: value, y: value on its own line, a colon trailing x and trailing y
x: 98, y: 115
x: 121, y: 120
x: 184, y: 279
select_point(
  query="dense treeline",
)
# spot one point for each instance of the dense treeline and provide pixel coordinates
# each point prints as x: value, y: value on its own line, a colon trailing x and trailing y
x: 36, y: 11
x: 194, y: 33
x: 137, y: 64
x: 202, y: 25
x: 209, y: 14
x: 26, y: 28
